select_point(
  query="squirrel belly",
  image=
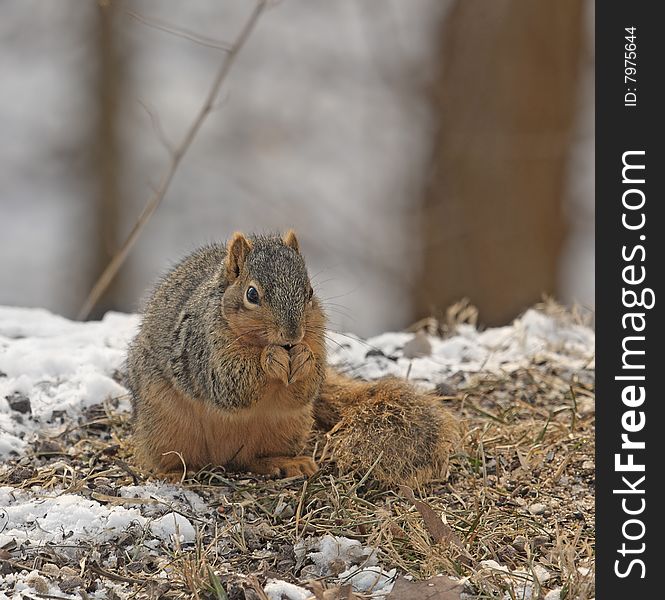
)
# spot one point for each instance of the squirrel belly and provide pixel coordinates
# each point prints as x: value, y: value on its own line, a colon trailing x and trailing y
x: 172, y: 428
x: 229, y: 368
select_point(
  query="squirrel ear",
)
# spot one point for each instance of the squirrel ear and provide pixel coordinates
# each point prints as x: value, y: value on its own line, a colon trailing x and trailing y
x: 291, y: 240
x: 236, y: 253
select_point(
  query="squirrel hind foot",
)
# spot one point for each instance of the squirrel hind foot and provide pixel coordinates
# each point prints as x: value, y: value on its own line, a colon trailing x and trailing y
x: 283, y: 466
x: 404, y: 436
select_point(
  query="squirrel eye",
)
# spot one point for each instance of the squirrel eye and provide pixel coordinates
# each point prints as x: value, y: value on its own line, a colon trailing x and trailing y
x: 311, y: 294
x: 252, y: 295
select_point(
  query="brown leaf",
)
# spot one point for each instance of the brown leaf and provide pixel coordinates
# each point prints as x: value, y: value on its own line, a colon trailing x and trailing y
x: 435, y: 588
x: 440, y: 532
x: 524, y: 463
x: 340, y: 593
x: 343, y: 592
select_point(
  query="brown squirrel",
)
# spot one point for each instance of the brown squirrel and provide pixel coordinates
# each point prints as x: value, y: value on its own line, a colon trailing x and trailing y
x: 229, y: 368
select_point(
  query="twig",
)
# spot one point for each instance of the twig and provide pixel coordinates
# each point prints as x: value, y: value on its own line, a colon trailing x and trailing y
x: 301, y: 502
x: 116, y: 262
x: 179, y: 31
x: 114, y: 576
x: 157, y: 126
x: 182, y: 460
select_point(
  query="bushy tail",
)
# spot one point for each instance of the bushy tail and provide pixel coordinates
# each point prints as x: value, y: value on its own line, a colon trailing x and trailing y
x: 407, y: 433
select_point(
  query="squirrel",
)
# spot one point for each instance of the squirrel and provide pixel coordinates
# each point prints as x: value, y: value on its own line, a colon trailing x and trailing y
x: 229, y: 368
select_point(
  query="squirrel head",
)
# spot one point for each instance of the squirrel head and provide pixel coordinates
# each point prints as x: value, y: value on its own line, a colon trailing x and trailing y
x: 268, y: 297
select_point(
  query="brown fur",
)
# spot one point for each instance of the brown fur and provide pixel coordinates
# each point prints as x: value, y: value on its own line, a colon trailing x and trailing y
x: 218, y: 379
x: 237, y: 250
x: 265, y: 438
x: 404, y: 436
x: 291, y: 240
x: 203, y: 434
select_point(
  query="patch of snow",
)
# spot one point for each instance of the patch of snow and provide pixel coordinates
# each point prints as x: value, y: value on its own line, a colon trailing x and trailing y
x: 534, y: 336
x: 541, y: 573
x: 30, y: 584
x: 276, y: 589
x: 36, y: 517
x: 173, y: 528
x: 31, y: 517
x: 537, y: 508
x: 57, y: 365
x: 168, y: 495
x: 333, y: 551
x: 494, y: 566
x: 525, y: 584
x: 372, y: 580
x: 348, y: 561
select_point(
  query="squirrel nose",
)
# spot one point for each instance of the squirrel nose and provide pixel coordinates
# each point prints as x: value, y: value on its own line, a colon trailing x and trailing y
x: 291, y: 337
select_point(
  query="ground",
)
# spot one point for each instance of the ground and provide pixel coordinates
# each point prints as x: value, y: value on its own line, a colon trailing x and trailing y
x: 514, y: 519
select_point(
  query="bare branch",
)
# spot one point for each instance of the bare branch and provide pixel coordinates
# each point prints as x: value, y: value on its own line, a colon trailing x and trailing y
x: 179, y: 31
x: 116, y: 262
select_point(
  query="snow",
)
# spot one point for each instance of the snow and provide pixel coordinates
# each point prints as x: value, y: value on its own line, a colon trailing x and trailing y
x: 59, y: 365
x: 35, y: 517
x: 533, y: 337
x: 167, y: 494
x: 331, y: 550
x: 525, y: 584
x: 27, y: 584
x: 348, y: 562
x: 372, y: 580
x: 174, y: 528
x: 47, y: 517
x: 276, y: 589
x: 39, y: 517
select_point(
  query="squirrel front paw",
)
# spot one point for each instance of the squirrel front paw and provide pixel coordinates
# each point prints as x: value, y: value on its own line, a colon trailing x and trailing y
x: 275, y: 362
x: 302, y: 361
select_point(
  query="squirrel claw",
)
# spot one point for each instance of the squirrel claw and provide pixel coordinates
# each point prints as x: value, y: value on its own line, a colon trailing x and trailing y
x: 275, y: 363
x: 298, y: 466
x: 302, y: 359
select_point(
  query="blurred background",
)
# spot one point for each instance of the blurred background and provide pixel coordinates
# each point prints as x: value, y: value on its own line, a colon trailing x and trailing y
x: 424, y: 150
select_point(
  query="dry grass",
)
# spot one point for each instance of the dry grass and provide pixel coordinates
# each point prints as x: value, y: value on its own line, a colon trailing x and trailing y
x: 520, y: 492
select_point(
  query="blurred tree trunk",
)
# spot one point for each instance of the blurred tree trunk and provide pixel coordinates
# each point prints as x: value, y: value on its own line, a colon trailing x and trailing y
x: 505, y: 99
x: 108, y: 87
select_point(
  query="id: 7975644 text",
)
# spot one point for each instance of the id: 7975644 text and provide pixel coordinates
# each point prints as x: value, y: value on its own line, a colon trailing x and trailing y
x: 630, y: 66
